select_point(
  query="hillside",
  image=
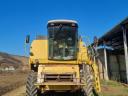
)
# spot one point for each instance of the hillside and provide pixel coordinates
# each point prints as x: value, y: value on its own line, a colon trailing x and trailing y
x: 12, y: 66
x: 12, y: 62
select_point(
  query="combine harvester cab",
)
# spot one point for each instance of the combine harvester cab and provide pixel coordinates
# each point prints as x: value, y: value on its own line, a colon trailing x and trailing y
x: 60, y: 63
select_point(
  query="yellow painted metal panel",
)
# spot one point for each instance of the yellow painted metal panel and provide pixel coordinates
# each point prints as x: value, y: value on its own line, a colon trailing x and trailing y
x: 39, y: 49
x: 60, y: 69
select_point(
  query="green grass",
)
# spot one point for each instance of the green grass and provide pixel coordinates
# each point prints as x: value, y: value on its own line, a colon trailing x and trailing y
x: 112, y: 88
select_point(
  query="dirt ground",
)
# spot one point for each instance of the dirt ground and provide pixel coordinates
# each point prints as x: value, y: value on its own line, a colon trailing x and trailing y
x: 109, y: 88
x: 17, y: 92
x: 10, y: 81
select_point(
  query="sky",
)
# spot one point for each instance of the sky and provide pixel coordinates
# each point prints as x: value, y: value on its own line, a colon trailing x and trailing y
x: 19, y: 18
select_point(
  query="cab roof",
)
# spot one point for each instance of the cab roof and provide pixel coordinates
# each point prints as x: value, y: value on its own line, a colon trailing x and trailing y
x: 62, y: 21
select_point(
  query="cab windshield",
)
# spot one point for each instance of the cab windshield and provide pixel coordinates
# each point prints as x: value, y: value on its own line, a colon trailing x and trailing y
x: 62, y: 42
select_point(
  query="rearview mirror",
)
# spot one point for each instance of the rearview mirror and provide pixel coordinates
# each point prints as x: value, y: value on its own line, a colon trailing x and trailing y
x: 27, y: 39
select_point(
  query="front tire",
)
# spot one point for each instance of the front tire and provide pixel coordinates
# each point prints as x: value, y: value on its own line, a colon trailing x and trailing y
x: 31, y: 89
x: 88, y: 90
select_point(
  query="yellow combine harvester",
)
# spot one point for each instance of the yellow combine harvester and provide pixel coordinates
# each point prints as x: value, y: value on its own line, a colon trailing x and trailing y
x: 60, y: 63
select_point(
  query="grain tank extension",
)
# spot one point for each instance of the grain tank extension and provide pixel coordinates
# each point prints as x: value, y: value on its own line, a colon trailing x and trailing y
x: 60, y: 63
